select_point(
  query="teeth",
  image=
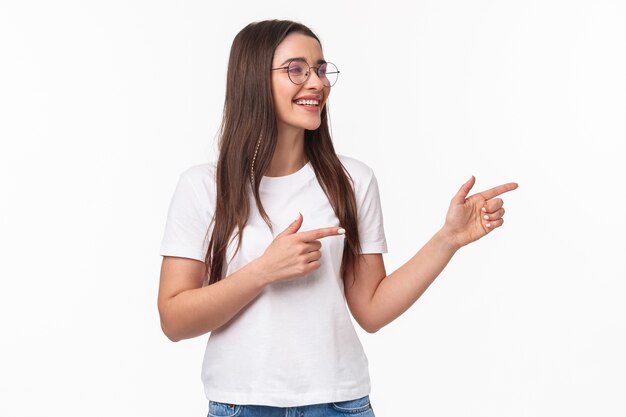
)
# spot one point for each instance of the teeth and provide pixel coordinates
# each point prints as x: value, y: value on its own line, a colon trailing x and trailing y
x: 308, y: 102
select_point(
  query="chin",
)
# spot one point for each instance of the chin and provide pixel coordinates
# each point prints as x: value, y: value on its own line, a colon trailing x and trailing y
x: 310, y: 123
x: 312, y: 126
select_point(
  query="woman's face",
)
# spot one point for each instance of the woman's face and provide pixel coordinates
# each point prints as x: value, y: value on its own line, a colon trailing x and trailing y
x: 289, y: 114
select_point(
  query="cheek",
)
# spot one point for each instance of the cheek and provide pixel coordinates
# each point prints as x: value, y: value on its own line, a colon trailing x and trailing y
x: 282, y: 106
x: 282, y: 96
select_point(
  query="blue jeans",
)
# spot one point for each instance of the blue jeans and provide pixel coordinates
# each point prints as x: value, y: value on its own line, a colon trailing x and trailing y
x: 360, y: 407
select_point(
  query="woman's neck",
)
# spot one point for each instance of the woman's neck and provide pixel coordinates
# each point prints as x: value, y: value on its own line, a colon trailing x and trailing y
x: 289, y: 154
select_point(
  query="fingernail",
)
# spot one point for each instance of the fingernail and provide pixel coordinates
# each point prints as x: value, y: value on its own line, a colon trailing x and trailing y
x: 484, y: 210
x: 297, y: 218
x: 486, y: 217
x: 341, y: 231
x: 488, y: 225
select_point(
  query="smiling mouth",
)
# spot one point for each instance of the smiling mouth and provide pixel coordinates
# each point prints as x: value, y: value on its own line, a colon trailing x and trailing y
x: 307, y: 103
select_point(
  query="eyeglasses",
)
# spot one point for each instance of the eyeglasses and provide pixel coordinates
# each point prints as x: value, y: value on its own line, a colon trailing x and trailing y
x: 299, y: 71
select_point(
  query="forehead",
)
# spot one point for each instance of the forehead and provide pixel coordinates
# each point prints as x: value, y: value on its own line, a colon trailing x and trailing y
x: 298, y: 45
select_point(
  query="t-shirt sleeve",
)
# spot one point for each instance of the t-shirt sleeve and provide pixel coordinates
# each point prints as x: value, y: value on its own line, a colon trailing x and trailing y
x: 188, y: 221
x: 370, y: 215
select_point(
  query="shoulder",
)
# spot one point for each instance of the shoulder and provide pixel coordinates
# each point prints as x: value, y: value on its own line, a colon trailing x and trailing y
x: 358, y: 170
x: 201, y: 176
x: 197, y: 184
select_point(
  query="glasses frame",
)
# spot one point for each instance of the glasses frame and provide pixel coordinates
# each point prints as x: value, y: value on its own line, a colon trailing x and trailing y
x: 308, y: 72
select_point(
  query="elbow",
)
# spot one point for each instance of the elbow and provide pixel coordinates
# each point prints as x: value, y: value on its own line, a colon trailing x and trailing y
x: 168, y: 327
x: 369, y: 326
x: 366, y: 321
x: 171, y: 336
x: 371, y: 329
x: 175, y: 329
x: 169, y: 332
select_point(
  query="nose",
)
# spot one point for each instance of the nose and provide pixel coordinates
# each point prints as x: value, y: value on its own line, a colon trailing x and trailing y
x: 314, y: 81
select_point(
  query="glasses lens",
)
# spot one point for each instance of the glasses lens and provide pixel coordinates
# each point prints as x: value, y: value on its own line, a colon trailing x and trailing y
x: 297, y: 72
x: 328, y: 73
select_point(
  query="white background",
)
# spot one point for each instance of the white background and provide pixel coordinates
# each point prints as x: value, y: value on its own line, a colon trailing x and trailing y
x: 104, y: 104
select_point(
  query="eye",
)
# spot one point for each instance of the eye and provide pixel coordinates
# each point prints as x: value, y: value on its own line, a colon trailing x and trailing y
x: 296, y: 68
x: 322, y: 71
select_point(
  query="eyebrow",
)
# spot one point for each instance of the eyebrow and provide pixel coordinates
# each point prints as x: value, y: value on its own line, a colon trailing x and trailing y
x: 300, y: 58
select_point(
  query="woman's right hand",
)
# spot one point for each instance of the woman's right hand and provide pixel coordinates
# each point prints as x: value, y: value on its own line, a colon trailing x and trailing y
x: 292, y: 254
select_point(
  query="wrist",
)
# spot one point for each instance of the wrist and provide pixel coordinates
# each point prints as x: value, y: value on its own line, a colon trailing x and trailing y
x: 258, y: 271
x: 448, y: 240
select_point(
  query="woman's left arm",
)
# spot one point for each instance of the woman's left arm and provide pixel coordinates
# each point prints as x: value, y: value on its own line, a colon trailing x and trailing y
x: 375, y: 299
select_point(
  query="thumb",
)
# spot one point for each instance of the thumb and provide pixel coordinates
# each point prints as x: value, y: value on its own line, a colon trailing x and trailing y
x: 292, y: 228
x: 461, y: 195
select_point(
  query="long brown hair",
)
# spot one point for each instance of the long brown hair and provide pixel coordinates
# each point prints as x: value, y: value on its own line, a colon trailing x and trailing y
x: 249, y: 117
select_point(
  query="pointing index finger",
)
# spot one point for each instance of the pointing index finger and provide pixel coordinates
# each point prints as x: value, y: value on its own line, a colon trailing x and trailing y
x: 500, y: 189
x: 315, y: 234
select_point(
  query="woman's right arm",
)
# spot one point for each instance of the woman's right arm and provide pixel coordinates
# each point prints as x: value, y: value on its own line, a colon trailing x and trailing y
x: 188, y: 310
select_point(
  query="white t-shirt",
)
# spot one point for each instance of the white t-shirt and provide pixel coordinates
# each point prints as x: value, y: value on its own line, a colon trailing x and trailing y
x: 295, y: 343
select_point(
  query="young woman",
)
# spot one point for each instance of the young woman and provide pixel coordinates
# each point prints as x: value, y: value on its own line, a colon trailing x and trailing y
x: 265, y: 247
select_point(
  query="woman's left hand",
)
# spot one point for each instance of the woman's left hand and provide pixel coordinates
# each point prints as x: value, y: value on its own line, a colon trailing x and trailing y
x: 470, y: 218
